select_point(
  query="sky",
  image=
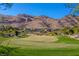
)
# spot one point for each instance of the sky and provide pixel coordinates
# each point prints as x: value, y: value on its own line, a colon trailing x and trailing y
x: 53, y: 10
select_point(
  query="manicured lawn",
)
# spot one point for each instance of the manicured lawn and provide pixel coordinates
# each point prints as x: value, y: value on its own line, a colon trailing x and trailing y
x: 40, y: 46
x: 48, y: 52
x: 8, y: 51
x: 68, y: 40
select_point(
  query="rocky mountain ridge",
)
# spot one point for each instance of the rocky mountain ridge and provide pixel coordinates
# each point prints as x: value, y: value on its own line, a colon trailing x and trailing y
x: 38, y: 22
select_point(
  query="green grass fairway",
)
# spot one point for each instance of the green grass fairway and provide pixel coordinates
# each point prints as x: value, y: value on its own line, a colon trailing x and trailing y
x: 36, y: 45
x: 48, y: 52
x: 68, y: 40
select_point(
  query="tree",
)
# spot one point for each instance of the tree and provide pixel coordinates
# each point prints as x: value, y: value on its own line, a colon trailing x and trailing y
x: 5, y: 6
x: 74, y: 8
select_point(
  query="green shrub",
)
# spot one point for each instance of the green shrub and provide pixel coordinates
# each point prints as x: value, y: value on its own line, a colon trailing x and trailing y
x: 7, y: 51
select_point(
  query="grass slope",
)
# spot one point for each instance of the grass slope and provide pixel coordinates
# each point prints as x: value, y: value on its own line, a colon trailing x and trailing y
x: 68, y: 40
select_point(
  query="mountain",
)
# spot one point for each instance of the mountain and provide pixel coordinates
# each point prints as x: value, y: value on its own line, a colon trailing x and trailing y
x: 38, y: 22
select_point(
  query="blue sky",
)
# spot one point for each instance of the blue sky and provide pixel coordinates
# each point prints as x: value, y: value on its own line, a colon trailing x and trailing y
x: 53, y: 10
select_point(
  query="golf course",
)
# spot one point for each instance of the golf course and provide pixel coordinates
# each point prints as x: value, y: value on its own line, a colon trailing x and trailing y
x: 39, y: 45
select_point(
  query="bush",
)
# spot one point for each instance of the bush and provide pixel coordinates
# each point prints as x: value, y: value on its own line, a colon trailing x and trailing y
x: 6, y: 51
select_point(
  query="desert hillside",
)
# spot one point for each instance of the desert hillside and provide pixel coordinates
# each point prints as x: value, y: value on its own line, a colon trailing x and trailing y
x: 38, y: 22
